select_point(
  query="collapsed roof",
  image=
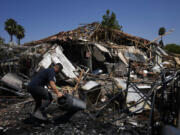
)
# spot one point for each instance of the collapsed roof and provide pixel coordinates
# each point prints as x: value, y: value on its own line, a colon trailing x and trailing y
x: 93, y: 32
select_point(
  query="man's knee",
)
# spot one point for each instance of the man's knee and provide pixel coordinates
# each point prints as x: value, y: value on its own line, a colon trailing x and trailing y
x: 50, y: 97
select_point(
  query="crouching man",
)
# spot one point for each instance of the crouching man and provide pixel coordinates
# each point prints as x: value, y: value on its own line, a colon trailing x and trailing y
x: 41, y: 95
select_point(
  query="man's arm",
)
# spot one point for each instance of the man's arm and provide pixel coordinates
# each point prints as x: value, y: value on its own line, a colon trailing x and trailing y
x: 53, y: 86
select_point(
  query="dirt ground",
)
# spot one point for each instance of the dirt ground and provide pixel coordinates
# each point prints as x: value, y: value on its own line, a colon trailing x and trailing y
x: 15, y: 119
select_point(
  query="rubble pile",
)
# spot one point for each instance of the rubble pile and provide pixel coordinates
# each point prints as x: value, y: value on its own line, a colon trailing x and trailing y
x: 128, y: 83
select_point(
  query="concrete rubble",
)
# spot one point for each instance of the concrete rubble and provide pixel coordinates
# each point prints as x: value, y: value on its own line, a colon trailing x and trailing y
x: 130, y: 84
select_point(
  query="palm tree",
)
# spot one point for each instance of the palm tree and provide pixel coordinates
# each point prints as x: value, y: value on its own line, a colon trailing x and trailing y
x: 2, y: 40
x: 20, y: 33
x: 10, y: 27
x: 161, y: 32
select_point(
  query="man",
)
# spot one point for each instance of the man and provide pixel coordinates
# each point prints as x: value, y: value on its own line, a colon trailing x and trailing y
x: 41, y: 95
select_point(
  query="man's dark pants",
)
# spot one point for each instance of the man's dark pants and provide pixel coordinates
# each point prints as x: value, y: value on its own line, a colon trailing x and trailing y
x: 41, y: 96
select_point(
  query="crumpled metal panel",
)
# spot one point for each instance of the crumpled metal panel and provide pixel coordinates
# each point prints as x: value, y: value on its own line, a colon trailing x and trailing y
x: 132, y: 96
x: 89, y: 85
x: 134, y: 57
x: 12, y: 91
x: 12, y: 80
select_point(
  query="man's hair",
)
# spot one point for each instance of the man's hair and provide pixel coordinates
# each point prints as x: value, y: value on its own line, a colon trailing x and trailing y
x: 59, y: 65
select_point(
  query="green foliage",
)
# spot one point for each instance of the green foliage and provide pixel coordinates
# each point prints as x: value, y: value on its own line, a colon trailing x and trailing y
x: 110, y: 21
x: 10, y: 27
x: 162, y: 30
x: 13, y: 28
x: 20, y: 33
x: 174, y: 48
x: 2, y: 40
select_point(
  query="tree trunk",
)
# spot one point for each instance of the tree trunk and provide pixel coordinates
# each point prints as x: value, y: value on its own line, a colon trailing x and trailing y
x: 19, y: 41
x: 11, y: 38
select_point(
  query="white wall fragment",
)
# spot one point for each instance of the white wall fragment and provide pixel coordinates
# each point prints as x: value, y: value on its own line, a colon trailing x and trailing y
x: 55, y: 55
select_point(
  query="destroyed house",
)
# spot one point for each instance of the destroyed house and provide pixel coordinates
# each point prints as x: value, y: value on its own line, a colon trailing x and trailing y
x: 97, y: 47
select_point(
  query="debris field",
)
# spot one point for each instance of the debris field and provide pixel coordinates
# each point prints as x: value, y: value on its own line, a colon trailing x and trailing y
x: 130, y: 85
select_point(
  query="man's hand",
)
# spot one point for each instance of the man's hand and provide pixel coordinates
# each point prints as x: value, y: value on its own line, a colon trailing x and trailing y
x: 59, y: 94
x: 53, y: 86
x: 64, y: 90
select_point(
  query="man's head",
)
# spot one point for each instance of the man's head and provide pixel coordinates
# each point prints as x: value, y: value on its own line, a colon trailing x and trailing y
x: 58, y: 67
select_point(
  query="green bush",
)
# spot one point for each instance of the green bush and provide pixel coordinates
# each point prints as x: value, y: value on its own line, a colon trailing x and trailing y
x: 174, y: 48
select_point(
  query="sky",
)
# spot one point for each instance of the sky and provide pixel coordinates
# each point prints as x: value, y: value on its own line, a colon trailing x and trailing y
x: 43, y: 18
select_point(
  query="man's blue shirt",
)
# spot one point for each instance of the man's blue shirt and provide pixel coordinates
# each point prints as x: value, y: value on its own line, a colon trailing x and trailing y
x: 43, y: 77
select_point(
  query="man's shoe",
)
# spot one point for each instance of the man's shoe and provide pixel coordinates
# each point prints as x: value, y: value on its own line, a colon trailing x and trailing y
x: 39, y: 115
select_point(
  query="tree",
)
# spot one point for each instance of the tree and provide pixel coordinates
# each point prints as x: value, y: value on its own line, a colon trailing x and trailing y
x: 110, y: 21
x: 20, y: 33
x: 161, y: 32
x: 10, y: 27
x: 174, y: 48
x: 2, y: 40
